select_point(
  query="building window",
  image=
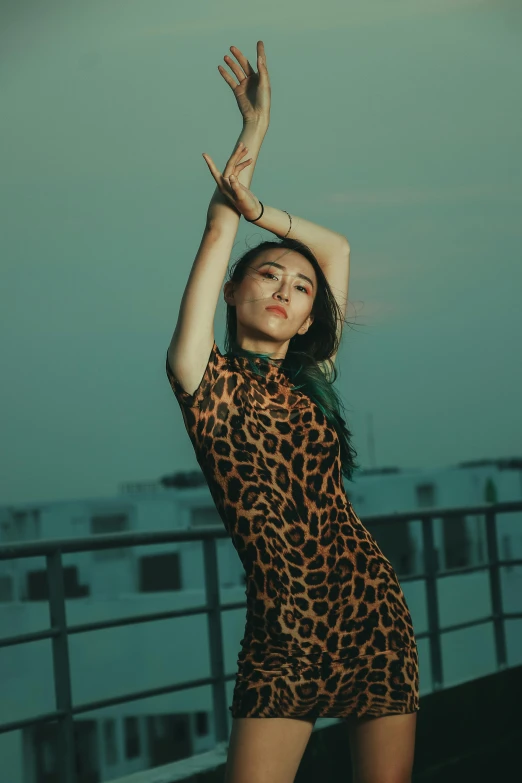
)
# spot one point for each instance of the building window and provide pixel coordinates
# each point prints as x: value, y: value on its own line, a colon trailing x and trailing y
x: 109, y: 741
x: 159, y: 573
x: 21, y: 526
x: 105, y: 524
x: 6, y: 588
x: 425, y: 495
x: 456, y: 542
x: 42, y: 740
x: 37, y: 587
x: 132, y: 738
x: 6, y: 529
x: 201, y: 723
x: 42, y: 761
x: 490, y: 492
x: 169, y: 738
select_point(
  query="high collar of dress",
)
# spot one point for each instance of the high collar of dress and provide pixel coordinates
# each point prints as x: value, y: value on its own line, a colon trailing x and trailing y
x: 271, y: 368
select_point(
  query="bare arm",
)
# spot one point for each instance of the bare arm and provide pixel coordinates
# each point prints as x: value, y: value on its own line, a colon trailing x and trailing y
x: 323, y: 242
x: 193, y: 336
x: 331, y: 248
x: 221, y: 213
x: 252, y: 92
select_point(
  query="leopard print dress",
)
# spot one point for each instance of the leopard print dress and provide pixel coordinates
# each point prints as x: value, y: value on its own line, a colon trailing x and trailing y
x: 328, y: 632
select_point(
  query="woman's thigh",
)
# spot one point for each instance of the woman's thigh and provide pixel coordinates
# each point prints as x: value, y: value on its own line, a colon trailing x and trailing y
x: 266, y: 750
x: 382, y: 749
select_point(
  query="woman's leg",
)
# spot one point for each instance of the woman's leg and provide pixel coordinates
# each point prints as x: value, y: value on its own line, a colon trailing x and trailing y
x: 266, y: 750
x: 382, y: 749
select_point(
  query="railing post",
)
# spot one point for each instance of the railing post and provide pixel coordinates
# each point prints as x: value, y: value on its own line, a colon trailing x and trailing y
x: 65, y: 751
x: 215, y: 634
x: 495, y: 589
x: 430, y: 569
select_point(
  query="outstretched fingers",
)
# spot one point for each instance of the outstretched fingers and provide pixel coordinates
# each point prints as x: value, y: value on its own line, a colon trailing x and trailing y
x: 243, y: 61
x: 239, y: 153
x: 226, y: 76
x: 239, y: 168
x: 239, y: 74
x: 233, y: 163
x: 246, y: 69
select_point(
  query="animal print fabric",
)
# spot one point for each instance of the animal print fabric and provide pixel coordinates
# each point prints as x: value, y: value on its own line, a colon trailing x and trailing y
x: 328, y: 632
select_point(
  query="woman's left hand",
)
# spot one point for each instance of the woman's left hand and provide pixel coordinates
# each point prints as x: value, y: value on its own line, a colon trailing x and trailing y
x: 253, y: 91
x: 241, y: 198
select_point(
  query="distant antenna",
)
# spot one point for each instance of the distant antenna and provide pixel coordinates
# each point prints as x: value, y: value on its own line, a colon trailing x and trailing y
x: 371, y: 441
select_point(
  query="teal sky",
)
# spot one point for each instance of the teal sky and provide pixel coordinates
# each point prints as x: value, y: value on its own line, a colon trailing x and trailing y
x: 397, y: 124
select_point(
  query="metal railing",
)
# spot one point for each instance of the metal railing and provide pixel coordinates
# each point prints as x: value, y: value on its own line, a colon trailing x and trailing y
x: 59, y: 631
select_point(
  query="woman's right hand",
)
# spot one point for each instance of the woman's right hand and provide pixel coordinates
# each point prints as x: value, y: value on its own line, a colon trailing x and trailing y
x: 228, y: 183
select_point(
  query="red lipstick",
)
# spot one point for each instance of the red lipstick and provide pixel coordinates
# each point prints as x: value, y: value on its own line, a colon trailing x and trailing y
x: 277, y: 309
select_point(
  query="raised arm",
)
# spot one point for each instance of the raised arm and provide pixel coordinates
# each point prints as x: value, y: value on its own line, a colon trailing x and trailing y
x: 193, y: 336
x: 329, y: 247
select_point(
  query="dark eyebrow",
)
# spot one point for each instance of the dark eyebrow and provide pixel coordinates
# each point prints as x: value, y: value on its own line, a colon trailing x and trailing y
x: 273, y: 263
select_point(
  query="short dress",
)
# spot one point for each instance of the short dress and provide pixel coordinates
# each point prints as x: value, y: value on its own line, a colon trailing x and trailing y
x: 328, y: 632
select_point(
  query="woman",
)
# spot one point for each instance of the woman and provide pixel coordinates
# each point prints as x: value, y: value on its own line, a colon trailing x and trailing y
x: 328, y: 631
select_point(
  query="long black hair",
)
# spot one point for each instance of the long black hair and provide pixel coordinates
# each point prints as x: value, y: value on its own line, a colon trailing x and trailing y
x: 305, y: 351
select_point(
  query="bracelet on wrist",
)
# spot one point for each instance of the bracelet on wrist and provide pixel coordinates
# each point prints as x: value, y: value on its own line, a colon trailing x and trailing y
x: 259, y: 217
x: 254, y: 220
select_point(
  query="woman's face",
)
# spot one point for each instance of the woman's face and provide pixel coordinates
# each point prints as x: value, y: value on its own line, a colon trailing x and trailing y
x: 277, y: 276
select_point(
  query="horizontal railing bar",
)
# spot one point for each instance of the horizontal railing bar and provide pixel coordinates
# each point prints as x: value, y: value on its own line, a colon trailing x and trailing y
x: 463, y: 570
x: 71, y: 629
x: 108, y: 541
x: 118, y: 540
x: 49, y: 717
x: 456, y: 626
x: 455, y: 571
x: 82, y: 708
x: 180, y: 686
x: 120, y: 621
x: 233, y: 605
x: 50, y: 546
x: 25, y: 638
x: 144, y: 618
x: 46, y: 717
x: 137, y: 618
x: 479, y: 621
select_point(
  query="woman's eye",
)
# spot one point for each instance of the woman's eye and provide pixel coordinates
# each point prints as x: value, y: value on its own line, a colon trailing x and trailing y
x: 263, y: 274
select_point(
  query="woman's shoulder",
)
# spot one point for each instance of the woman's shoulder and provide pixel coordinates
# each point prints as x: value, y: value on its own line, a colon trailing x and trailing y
x: 191, y: 388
